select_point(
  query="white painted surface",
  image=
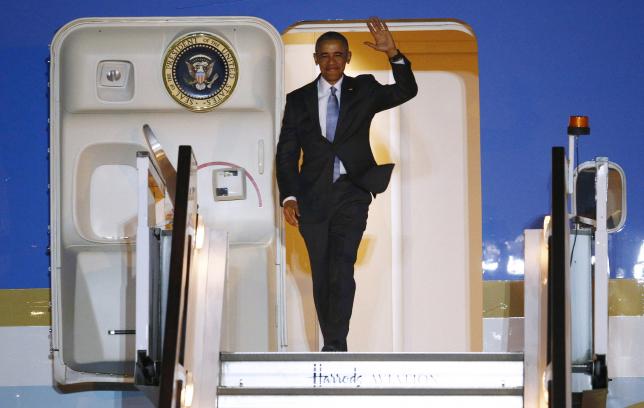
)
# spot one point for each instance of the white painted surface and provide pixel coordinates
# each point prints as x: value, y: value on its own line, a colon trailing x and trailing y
x: 26, y: 377
x: 435, y: 218
x: 602, y: 271
x: 624, y: 392
x: 373, y: 310
x: 47, y: 396
x: 581, y: 296
x: 456, y: 374
x: 396, y: 231
x: 502, y: 335
x: 206, y: 301
x: 535, y: 323
x: 103, y: 199
x: 625, y: 352
x: 378, y: 401
x: 113, y: 201
x: 142, y: 314
x: 103, y: 300
x: 24, y: 352
x: 93, y: 151
x: 249, y: 308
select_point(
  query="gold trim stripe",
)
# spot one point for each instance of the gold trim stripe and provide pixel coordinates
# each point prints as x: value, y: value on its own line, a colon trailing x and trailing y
x: 505, y: 298
x: 625, y: 297
x: 443, y: 50
x: 502, y: 299
x: 25, y: 307
x: 30, y: 307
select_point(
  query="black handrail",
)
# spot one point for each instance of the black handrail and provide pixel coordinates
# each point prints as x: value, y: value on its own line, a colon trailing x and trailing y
x: 185, y: 215
x: 558, y: 293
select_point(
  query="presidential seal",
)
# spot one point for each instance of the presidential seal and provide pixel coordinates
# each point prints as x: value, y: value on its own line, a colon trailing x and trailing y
x: 200, y: 71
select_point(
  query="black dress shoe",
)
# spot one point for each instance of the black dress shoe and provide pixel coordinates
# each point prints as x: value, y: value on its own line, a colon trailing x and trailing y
x: 334, y: 348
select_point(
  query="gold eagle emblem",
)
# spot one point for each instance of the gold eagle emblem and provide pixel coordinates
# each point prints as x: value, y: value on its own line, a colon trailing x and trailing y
x: 200, y: 71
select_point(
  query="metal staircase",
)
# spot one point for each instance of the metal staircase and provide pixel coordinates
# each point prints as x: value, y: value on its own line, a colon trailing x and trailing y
x: 371, y: 380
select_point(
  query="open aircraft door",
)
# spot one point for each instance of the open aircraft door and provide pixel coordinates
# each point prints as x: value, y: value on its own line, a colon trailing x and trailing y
x: 216, y: 84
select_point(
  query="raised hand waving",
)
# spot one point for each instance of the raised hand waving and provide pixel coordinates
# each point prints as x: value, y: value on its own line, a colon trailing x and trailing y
x: 384, y: 42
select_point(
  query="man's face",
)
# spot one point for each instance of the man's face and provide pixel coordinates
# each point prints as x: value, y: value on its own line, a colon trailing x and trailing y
x: 332, y: 56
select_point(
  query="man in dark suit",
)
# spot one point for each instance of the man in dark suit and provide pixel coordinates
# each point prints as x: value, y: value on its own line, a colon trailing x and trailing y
x: 328, y: 197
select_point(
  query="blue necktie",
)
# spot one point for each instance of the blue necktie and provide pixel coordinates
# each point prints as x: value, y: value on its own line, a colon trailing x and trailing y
x: 332, y: 113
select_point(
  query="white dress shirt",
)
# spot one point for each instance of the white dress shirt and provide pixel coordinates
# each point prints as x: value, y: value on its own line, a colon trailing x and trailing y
x: 324, y: 91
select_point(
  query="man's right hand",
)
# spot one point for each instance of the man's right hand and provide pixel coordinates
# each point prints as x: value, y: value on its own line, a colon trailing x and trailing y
x: 292, y: 212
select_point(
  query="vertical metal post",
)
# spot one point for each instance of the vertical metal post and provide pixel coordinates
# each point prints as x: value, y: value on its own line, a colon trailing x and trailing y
x: 601, y: 259
x: 142, y: 271
x: 571, y: 164
x: 535, y: 322
x: 559, y: 288
x: 397, y: 323
x: 281, y: 318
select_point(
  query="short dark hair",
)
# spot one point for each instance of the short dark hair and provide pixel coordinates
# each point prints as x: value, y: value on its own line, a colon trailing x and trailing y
x: 331, y: 36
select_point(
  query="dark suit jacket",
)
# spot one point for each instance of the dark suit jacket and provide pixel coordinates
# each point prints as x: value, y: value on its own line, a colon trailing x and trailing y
x: 361, y: 98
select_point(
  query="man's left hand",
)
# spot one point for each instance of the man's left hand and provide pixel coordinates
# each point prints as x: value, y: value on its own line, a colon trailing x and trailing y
x: 384, y: 42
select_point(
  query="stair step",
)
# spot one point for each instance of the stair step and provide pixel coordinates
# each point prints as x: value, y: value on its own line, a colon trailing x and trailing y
x: 371, y: 391
x: 372, y: 398
x: 288, y: 356
x: 421, y: 371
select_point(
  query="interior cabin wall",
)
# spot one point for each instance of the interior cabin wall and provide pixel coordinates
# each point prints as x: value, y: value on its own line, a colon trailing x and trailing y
x: 417, y: 272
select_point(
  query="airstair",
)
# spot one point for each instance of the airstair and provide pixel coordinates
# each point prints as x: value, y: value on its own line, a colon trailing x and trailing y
x: 370, y: 380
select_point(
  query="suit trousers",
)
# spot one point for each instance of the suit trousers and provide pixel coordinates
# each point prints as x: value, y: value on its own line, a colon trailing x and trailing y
x: 332, y: 245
